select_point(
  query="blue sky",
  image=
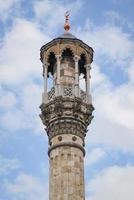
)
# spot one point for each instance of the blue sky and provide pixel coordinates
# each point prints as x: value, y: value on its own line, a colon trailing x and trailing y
x: 107, y: 26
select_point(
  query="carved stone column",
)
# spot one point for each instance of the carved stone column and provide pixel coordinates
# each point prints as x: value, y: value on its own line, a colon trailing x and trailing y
x: 45, y: 72
x: 88, y: 67
x: 58, y: 89
x: 76, y: 59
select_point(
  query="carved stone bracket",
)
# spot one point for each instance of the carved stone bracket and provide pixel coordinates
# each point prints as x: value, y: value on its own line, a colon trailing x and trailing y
x: 66, y: 116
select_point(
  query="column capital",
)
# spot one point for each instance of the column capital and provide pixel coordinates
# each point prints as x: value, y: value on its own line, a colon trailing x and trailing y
x: 88, y: 66
x: 76, y: 58
x: 45, y: 67
x: 58, y: 57
x: 45, y: 64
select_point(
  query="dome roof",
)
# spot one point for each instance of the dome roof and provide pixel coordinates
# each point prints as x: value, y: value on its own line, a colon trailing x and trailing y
x: 67, y: 35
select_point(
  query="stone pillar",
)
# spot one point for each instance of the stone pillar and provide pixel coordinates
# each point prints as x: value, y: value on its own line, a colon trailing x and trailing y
x: 58, y: 57
x: 66, y: 174
x: 45, y: 73
x: 76, y: 86
x: 66, y: 159
x: 88, y: 67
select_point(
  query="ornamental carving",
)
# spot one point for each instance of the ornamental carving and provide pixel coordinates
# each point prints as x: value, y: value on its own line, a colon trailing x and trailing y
x: 66, y: 116
x: 58, y: 108
x: 66, y: 126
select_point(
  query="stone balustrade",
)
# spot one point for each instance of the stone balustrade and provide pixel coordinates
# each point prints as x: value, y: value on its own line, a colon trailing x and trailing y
x: 66, y: 91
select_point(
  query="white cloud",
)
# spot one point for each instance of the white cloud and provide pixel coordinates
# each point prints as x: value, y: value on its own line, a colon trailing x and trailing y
x: 20, y: 65
x: 20, y: 52
x: 51, y: 13
x: 113, y: 183
x: 131, y: 72
x: 94, y: 156
x: 114, y: 108
x: 6, y: 7
x: 7, y: 165
x: 109, y: 134
x: 112, y: 125
x: 99, y: 81
x: 31, y: 97
x: 117, y: 106
x: 109, y: 41
x: 14, y: 120
x: 7, y: 99
x: 31, y: 100
x: 114, y: 18
x: 27, y: 110
x: 27, y: 187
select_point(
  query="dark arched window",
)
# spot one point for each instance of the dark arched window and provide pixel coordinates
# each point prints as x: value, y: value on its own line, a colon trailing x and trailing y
x: 52, y: 62
x: 67, y: 57
x: 82, y: 62
x: 67, y: 54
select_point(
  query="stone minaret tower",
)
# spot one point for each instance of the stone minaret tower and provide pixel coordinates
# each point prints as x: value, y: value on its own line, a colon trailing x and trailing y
x: 66, y: 111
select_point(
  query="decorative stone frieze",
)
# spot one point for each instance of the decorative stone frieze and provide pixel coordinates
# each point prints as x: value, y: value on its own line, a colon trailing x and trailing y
x: 66, y: 116
x: 66, y: 126
x: 65, y: 107
x: 64, y: 43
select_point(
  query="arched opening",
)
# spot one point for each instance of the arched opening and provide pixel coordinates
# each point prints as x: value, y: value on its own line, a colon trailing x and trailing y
x: 51, y: 70
x: 67, y: 53
x: 82, y: 63
x: 82, y: 71
x: 67, y: 67
x: 67, y: 56
x: 52, y: 62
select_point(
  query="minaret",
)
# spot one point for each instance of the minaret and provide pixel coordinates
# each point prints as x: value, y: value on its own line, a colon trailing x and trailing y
x: 66, y: 111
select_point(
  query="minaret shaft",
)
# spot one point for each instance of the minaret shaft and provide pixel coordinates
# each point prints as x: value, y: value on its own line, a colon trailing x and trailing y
x: 66, y: 174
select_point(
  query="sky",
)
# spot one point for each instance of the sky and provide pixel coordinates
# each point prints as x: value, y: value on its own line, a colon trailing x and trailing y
x: 108, y: 27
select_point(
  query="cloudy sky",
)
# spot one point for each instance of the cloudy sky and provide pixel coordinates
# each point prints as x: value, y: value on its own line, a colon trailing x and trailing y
x: 107, y: 26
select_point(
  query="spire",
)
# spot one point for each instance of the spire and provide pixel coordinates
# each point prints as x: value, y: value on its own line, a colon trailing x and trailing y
x: 67, y: 26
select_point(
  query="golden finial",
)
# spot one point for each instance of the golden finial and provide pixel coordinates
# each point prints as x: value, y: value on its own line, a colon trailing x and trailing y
x: 67, y: 26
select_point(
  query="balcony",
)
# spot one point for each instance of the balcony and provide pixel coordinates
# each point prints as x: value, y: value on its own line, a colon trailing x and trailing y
x: 65, y: 91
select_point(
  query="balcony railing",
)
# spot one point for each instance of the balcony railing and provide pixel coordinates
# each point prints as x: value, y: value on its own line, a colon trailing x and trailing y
x: 65, y: 91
